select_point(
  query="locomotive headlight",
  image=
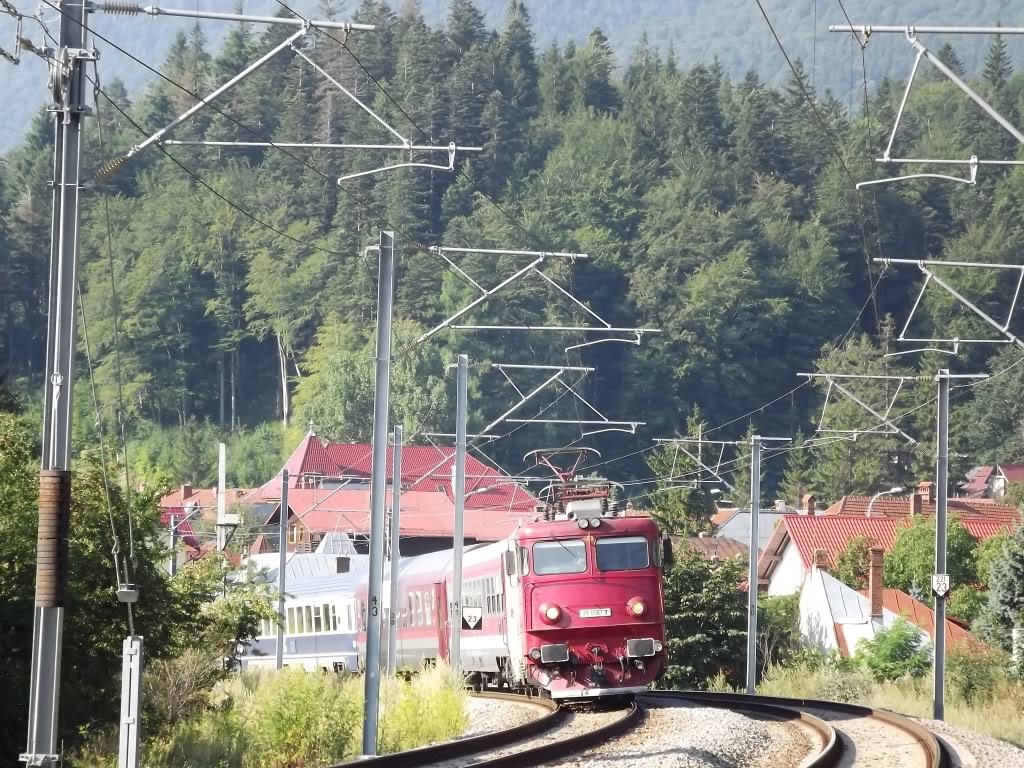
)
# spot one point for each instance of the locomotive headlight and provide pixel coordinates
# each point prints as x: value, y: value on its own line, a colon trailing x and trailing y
x: 584, y: 522
x: 636, y: 607
x: 535, y: 654
x: 550, y: 613
x: 658, y: 646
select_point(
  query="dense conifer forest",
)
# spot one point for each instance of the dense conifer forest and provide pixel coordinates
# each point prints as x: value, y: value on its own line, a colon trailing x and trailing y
x: 719, y: 209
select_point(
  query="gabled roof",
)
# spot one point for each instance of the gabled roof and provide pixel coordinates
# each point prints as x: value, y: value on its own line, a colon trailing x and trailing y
x: 977, y: 481
x: 423, y: 513
x: 721, y: 547
x: 831, y: 533
x: 919, y: 614
x: 202, y: 497
x: 1014, y: 473
x: 887, y: 506
x: 424, y: 468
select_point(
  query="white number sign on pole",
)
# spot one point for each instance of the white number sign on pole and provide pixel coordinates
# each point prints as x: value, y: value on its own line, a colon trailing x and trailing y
x: 940, y: 584
x: 472, y: 618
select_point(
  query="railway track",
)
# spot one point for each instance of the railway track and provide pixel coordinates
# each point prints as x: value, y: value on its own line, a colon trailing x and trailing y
x: 557, y: 734
x: 850, y: 735
x: 842, y: 735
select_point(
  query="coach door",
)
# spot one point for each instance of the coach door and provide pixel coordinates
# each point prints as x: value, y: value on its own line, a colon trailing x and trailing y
x: 512, y: 623
x: 441, y: 619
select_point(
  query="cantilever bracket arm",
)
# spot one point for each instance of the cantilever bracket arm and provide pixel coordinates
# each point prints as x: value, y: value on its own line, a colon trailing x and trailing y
x: 930, y: 276
x: 205, y: 102
x: 885, y: 422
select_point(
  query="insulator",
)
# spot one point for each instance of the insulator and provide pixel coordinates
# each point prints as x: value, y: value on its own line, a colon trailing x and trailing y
x: 123, y: 9
x: 110, y: 168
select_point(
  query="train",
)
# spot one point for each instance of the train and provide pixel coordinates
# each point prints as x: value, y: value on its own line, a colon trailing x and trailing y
x: 570, y: 603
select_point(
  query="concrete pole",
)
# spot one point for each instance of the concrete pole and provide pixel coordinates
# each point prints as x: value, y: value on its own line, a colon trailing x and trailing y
x: 172, y: 566
x: 70, y: 92
x: 459, y: 492
x: 941, y: 485
x: 396, y: 516
x: 222, y: 536
x: 378, y: 488
x: 755, y: 509
x: 282, y: 566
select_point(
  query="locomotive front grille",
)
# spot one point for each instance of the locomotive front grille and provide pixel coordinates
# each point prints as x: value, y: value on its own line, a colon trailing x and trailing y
x: 554, y: 653
x: 638, y: 647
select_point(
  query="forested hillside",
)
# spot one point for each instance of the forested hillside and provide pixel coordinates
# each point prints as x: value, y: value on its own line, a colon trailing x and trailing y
x: 719, y: 209
x: 696, y: 30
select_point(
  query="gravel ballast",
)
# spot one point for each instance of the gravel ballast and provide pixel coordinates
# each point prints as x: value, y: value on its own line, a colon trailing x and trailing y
x: 689, y: 736
x: 975, y: 749
x: 490, y: 715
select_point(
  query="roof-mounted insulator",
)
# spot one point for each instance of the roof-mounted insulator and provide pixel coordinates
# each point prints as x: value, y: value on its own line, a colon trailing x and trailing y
x: 124, y: 9
x: 110, y: 167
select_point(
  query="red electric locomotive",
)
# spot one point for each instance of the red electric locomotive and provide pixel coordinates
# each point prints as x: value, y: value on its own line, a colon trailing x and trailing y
x: 571, y: 603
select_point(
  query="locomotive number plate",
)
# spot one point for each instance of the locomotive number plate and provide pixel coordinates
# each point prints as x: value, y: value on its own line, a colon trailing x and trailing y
x: 593, y: 613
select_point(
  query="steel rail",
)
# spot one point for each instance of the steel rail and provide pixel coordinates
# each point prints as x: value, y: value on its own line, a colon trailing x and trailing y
x: 937, y: 753
x: 489, y: 742
x: 424, y: 756
x: 830, y: 747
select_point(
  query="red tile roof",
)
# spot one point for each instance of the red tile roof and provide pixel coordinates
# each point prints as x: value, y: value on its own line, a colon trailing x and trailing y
x: 424, y: 468
x: 831, y: 533
x: 423, y: 513
x: 716, y: 547
x: 919, y: 614
x: 977, y: 481
x: 184, y: 528
x: 897, y: 507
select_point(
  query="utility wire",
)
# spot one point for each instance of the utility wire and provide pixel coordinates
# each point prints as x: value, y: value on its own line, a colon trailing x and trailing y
x: 834, y: 144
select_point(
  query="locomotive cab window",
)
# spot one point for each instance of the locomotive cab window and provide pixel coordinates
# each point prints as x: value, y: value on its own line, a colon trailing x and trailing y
x: 622, y: 553
x: 559, y: 556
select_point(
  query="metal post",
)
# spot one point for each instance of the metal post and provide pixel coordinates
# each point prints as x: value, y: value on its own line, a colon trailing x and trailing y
x: 172, y: 566
x: 755, y: 508
x: 396, y: 517
x: 282, y: 566
x: 941, y: 485
x: 68, y: 88
x: 222, y: 538
x: 379, y: 476
x: 459, y: 492
x: 131, y: 703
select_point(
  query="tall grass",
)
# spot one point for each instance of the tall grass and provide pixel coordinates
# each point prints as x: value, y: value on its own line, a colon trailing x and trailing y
x: 999, y: 712
x: 297, y: 719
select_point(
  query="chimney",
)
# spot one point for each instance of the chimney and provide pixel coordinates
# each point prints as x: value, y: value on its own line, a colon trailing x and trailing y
x: 186, y: 491
x: 875, y: 572
x: 915, y: 504
x: 807, y: 504
x: 821, y: 560
x: 780, y: 505
x: 927, y: 491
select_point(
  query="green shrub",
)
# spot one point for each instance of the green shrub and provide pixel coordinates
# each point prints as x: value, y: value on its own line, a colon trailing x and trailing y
x: 719, y: 684
x: 300, y: 718
x: 974, y: 671
x: 818, y: 678
x: 428, y: 709
x: 894, y: 652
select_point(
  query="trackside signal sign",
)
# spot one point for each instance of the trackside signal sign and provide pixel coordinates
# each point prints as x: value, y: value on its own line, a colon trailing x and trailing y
x: 472, y: 618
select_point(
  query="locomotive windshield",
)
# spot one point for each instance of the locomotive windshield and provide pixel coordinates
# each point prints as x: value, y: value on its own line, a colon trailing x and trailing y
x: 623, y: 553
x: 559, y: 556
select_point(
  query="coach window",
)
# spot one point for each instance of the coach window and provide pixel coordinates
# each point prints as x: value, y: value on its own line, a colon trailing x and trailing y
x: 622, y: 553
x: 348, y: 612
x: 559, y: 556
x: 309, y: 618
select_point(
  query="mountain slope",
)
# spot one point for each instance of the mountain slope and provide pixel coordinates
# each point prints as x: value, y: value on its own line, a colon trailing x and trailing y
x: 697, y: 30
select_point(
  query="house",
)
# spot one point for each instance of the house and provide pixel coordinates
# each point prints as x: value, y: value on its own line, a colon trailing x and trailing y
x: 790, y: 553
x: 922, y: 502
x: 834, y: 616
x: 992, y: 482
x: 734, y: 522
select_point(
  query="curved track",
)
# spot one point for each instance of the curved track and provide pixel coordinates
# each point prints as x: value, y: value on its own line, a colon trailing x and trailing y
x: 540, y: 740
x: 851, y: 734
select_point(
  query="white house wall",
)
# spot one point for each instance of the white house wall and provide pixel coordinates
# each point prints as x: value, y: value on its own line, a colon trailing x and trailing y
x: 788, y: 575
x: 816, y: 625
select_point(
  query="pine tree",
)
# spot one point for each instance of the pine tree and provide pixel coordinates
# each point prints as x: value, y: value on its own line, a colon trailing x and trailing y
x: 698, y: 115
x: 796, y: 480
x: 555, y: 86
x: 465, y: 25
x: 947, y: 55
x: 519, y: 59
x: 998, y: 66
x: 592, y: 72
x: 1005, y: 608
